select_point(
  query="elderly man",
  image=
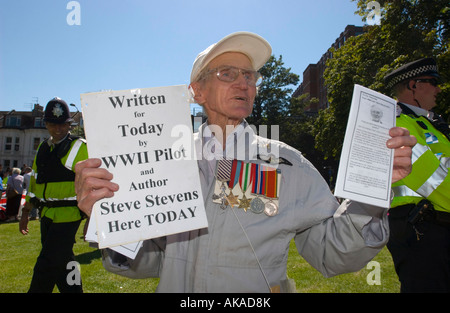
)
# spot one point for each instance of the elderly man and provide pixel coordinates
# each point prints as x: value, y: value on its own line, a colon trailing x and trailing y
x: 420, y: 213
x: 245, y: 247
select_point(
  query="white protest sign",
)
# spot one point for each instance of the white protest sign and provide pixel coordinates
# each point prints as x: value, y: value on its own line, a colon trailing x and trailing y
x: 365, y: 167
x: 144, y: 138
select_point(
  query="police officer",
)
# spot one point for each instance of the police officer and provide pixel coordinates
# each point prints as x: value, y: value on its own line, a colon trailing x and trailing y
x: 420, y: 212
x: 52, y: 192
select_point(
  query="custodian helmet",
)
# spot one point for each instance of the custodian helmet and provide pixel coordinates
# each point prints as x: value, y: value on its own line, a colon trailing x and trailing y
x: 57, y: 111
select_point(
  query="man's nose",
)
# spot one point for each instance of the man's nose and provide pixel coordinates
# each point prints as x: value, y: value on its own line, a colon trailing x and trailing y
x: 241, y: 81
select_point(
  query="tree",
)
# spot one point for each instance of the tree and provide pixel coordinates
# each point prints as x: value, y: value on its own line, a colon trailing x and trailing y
x: 274, y: 105
x: 273, y: 99
x: 409, y: 29
x: 297, y: 131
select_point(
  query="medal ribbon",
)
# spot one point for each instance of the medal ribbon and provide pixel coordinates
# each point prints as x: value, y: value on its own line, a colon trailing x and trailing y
x: 235, y: 173
x: 271, y: 184
x: 266, y: 181
x: 258, y: 179
x: 245, y: 176
x: 224, y: 169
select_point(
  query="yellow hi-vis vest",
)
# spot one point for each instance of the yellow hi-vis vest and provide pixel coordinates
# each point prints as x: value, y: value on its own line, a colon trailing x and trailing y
x: 62, y: 190
x: 430, y: 164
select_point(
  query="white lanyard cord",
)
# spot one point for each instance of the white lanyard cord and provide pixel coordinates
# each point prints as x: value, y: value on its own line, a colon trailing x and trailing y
x: 254, y: 252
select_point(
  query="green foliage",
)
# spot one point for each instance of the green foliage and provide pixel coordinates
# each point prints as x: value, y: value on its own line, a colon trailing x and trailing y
x: 298, y: 131
x: 274, y: 94
x: 409, y: 30
x: 274, y: 105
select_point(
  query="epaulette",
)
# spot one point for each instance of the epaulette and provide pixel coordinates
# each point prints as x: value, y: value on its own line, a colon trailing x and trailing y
x: 273, y: 160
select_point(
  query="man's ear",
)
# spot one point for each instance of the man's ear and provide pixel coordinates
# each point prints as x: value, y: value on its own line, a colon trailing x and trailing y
x: 191, y: 90
x: 196, y: 92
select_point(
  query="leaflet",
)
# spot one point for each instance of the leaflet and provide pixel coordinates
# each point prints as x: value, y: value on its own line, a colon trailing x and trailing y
x: 144, y: 138
x: 365, y: 168
x: 129, y: 250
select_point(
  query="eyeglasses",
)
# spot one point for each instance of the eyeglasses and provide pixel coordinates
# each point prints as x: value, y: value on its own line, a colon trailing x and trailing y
x: 230, y: 74
x: 433, y: 81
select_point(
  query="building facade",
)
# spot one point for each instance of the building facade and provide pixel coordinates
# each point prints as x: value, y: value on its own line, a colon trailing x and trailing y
x: 21, y: 132
x: 313, y: 82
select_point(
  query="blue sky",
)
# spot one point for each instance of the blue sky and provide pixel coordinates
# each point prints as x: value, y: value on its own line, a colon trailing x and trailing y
x: 146, y: 43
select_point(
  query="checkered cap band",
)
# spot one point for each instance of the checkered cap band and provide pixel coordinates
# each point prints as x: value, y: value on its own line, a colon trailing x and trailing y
x: 412, y: 73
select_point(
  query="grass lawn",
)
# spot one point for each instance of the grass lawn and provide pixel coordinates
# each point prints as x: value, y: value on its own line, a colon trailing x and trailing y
x: 18, y: 255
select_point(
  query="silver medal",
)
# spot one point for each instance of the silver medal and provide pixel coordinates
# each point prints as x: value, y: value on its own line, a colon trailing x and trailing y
x: 271, y: 209
x: 257, y: 206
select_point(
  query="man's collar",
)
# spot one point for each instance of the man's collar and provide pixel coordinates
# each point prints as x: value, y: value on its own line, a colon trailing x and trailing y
x: 419, y: 111
x: 209, y: 131
x: 236, y: 144
x: 51, y: 143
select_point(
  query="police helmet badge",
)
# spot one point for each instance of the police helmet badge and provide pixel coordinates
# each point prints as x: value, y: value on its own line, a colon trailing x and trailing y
x: 57, y: 110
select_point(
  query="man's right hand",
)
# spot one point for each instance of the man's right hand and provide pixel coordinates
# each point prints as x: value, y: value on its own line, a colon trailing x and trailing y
x: 92, y: 183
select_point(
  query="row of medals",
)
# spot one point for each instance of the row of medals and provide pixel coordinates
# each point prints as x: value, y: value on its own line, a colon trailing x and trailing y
x: 256, y: 205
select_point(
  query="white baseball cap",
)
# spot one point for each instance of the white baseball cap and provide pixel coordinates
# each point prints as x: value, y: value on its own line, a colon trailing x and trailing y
x: 256, y: 48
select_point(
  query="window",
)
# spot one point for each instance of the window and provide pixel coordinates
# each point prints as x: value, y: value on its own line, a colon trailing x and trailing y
x: 39, y: 122
x: 13, y: 121
x: 36, y: 142
x: 17, y: 145
x: 8, y: 143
